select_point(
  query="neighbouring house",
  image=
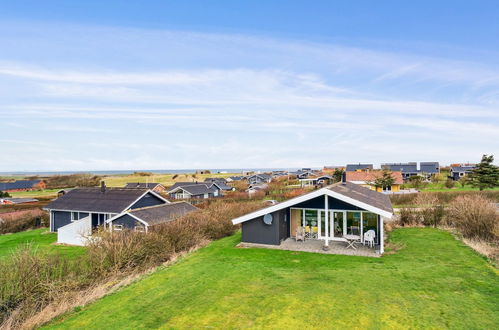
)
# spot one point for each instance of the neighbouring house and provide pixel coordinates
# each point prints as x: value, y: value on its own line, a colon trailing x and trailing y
x: 156, y: 187
x: 303, y: 173
x: 236, y: 178
x: 315, y: 181
x: 221, y: 183
x: 428, y: 169
x: 75, y: 214
x: 259, y: 178
x: 462, y: 170
x: 191, y: 190
x: 142, y: 219
x: 407, y: 169
x: 256, y: 188
x: 222, y: 180
x: 22, y: 185
x: 366, y: 179
x: 338, y: 212
x: 9, y: 201
x: 359, y: 167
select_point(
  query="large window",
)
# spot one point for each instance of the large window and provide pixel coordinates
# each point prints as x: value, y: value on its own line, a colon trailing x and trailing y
x: 370, y: 222
x: 311, y: 222
x: 353, y: 223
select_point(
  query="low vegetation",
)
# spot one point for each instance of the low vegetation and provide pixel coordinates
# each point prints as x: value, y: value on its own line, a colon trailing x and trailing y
x: 14, y: 222
x: 443, y: 197
x: 73, y: 180
x: 433, y: 281
x: 30, y: 281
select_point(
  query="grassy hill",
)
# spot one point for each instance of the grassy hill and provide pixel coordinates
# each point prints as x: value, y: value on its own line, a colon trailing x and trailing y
x: 432, y: 281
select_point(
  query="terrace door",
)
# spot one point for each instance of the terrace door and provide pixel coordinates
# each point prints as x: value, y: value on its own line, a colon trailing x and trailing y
x: 335, y: 228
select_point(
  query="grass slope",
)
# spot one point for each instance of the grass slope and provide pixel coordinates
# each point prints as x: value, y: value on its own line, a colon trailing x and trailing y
x: 433, y: 281
x: 34, y: 193
x: 40, y: 239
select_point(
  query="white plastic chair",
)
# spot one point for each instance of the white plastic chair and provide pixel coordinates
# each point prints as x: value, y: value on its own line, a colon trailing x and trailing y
x: 369, y: 238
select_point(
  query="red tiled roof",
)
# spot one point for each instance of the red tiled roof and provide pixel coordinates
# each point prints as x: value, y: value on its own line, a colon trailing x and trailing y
x: 372, y: 175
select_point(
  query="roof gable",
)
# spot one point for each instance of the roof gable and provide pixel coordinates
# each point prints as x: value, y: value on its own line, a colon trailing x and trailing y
x: 112, y: 200
x: 350, y: 193
x: 158, y: 214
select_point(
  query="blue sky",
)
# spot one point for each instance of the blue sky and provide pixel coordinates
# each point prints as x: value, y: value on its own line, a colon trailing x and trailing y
x: 99, y: 85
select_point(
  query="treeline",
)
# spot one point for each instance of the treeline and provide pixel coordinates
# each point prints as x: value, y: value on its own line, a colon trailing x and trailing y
x: 73, y: 180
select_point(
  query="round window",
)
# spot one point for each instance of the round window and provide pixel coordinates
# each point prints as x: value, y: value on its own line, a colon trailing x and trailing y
x: 267, y: 219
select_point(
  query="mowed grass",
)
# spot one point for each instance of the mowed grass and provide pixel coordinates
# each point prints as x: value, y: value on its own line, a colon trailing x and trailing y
x: 432, y: 281
x: 165, y: 179
x: 39, y: 239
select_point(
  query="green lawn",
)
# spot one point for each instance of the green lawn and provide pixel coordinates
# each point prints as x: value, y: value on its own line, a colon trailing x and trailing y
x: 34, y: 193
x: 433, y: 281
x: 39, y: 239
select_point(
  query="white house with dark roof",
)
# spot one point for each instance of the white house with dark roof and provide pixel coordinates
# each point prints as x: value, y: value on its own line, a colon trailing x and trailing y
x: 342, y: 212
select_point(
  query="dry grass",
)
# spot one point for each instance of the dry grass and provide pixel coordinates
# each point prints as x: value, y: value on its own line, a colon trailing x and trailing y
x: 22, y: 220
x: 475, y: 217
x: 487, y: 249
x: 71, y: 300
x: 30, y: 282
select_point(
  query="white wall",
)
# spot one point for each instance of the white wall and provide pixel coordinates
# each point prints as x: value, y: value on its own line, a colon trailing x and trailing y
x: 75, y: 233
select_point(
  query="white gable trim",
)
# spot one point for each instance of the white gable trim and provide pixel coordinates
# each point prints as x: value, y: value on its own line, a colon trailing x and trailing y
x: 306, y: 197
x: 147, y: 192
x: 125, y: 213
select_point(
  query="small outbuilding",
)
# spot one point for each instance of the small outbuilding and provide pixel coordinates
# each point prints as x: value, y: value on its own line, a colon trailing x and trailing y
x: 144, y: 218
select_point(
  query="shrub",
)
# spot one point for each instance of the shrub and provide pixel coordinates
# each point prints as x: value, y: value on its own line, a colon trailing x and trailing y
x: 23, y: 220
x: 30, y: 281
x: 474, y: 216
x: 73, y: 180
x: 408, y: 217
x: 142, y: 173
x: 449, y: 183
x: 430, y: 210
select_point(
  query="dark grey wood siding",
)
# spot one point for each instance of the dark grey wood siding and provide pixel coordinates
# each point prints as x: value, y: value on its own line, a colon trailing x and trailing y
x: 127, y: 221
x: 256, y: 231
x: 60, y: 219
x: 148, y: 200
x: 333, y: 203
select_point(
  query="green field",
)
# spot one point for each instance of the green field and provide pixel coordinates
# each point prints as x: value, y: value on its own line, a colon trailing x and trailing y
x: 35, y: 193
x: 39, y: 239
x: 165, y: 179
x: 431, y: 281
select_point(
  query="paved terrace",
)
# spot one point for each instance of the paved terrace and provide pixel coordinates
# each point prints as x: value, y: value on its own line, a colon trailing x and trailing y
x: 316, y: 246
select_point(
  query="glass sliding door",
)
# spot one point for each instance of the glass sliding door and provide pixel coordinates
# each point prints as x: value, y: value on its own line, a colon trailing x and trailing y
x: 337, y: 221
x: 353, y: 223
x: 370, y: 222
x: 311, y: 223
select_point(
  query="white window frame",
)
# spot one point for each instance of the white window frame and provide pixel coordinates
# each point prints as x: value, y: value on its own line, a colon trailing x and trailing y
x: 77, y: 216
x: 118, y: 227
x: 141, y: 230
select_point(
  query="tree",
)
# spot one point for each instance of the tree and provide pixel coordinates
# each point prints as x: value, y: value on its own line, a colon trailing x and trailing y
x: 4, y: 194
x: 463, y: 181
x: 486, y: 174
x: 384, y: 181
x: 338, y: 174
x: 416, y: 181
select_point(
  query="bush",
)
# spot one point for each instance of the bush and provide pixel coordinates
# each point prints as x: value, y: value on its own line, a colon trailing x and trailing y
x: 142, y: 174
x: 73, y: 180
x: 408, y: 217
x: 474, y: 216
x: 443, y: 197
x: 430, y: 211
x: 30, y: 281
x: 449, y: 184
x: 23, y: 220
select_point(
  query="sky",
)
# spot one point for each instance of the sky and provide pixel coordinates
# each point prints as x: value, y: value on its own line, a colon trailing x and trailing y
x: 119, y: 85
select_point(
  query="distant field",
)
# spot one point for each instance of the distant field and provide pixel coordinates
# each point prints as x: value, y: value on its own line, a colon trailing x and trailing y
x: 40, y: 239
x: 164, y: 179
x: 35, y: 193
